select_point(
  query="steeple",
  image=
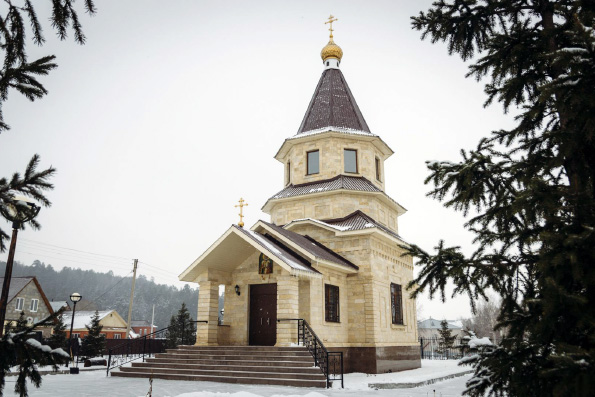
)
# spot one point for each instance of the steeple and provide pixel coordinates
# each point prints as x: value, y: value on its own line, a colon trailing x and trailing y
x: 333, y: 104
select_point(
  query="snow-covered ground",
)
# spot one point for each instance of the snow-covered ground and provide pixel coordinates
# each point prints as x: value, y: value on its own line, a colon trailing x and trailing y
x: 95, y: 383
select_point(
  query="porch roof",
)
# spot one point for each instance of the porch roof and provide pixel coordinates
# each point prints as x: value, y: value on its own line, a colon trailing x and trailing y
x: 236, y: 245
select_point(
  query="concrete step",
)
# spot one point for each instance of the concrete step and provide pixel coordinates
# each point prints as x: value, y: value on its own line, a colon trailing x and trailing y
x: 246, y: 373
x: 225, y: 379
x: 239, y: 356
x: 242, y: 348
x: 254, y: 368
x: 259, y: 353
x: 286, y: 363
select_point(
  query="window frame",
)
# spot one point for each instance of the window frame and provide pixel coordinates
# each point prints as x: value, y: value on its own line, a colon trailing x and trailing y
x: 396, y: 302
x: 308, y: 162
x: 378, y: 174
x: 345, y: 158
x: 288, y: 172
x: 22, y: 304
x: 117, y: 336
x: 330, y: 292
x: 36, y: 302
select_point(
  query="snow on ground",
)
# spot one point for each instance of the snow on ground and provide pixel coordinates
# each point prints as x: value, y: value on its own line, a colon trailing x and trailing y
x: 95, y: 383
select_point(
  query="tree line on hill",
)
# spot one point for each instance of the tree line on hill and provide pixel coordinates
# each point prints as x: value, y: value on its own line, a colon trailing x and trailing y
x: 107, y: 291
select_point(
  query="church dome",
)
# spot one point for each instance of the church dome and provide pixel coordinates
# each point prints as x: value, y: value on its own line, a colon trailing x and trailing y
x: 331, y: 50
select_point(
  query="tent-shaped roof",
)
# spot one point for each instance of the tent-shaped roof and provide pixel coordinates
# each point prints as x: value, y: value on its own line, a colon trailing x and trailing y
x: 333, y: 105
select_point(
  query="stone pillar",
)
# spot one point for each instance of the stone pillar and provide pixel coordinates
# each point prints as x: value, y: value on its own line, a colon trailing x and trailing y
x: 287, y: 307
x: 208, y: 305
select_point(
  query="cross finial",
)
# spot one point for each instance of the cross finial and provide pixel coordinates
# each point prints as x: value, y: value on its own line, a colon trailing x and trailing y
x: 330, y: 21
x: 241, y: 205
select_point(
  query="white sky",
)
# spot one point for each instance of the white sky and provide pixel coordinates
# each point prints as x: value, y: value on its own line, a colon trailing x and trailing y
x: 174, y: 110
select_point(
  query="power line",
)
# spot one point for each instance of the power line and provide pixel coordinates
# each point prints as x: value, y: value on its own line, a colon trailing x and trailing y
x: 112, y: 287
x: 44, y: 256
x: 72, y: 249
x: 73, y: 255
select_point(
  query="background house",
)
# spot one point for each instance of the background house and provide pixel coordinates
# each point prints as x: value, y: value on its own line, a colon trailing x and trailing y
x: 26, y: 296
x: 114, y: 326
x: 429, y: 328
x: 142, y: 327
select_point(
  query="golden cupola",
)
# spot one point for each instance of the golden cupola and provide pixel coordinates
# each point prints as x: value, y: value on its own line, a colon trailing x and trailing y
x: 331, y: 50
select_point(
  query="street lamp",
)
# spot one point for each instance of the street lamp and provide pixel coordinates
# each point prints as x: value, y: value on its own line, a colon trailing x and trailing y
x: 19, y: 210
x: 75, y: 298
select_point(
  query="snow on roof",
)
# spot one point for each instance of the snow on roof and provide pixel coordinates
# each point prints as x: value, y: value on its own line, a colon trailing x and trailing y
x: 284, y: 256
x: 58, y: 305
x: 331, y: 128
x: 339, y: 228
x: 432, y: 323
x: 83, y: 318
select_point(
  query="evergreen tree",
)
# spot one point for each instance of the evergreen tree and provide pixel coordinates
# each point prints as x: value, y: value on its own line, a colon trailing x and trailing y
x: 181, y: 329
x: 447, y: 339
x: 58, y: 337
x: 19, y: 347
x: 94, y: 342
x: 532, y: 188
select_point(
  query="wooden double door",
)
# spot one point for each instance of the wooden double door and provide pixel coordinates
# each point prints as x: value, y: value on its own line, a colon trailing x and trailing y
x: 263, y: 315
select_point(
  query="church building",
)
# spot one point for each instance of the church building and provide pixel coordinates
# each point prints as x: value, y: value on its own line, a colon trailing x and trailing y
x: 330, y: 252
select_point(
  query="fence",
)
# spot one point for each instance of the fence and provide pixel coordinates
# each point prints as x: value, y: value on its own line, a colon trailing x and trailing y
x: 433, y: 349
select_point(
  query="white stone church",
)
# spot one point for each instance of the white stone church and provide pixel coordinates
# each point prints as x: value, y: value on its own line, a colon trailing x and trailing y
x: 330, y: 253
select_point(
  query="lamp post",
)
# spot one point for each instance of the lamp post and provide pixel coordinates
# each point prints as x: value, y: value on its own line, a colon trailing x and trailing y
x: 18, y: 210
x: 75, y: 298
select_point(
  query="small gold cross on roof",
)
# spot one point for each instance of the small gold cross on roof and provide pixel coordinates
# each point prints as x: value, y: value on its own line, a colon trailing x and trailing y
x: 330, y: 21
x: 241, y: 205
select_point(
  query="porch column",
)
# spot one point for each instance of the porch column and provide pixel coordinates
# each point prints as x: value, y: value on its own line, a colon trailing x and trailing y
x: 208, y: 305
x: 287, y: 307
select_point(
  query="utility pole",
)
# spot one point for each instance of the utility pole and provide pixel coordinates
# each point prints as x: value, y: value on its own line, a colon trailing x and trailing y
x: 131, y: 298
x: 152, y: 318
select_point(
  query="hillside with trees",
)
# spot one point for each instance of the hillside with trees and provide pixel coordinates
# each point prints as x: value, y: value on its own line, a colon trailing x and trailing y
x: 106, y: 291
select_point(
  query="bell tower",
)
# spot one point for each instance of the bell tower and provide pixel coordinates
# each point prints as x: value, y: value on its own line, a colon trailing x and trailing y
x: 334, y: 164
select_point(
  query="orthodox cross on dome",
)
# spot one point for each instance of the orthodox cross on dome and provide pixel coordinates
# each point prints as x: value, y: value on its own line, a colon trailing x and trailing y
x: 330, y: 21
x: 241, y: 214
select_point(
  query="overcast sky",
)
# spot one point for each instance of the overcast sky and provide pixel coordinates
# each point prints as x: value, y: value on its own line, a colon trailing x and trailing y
x: 174, y: 110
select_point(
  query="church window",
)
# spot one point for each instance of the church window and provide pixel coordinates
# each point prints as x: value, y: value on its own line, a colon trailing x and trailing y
x: 331, y: 307
x: 378, y: 168
x: 396, y: 300
x: 288, y: 172
x: 313, y: 162
x: 350, y: 159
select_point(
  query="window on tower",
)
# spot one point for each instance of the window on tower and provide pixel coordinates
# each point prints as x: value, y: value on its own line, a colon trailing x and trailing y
x: 350, y: 159
x: 288, y: 173
x: 378, y: 168
x: 313, y: 162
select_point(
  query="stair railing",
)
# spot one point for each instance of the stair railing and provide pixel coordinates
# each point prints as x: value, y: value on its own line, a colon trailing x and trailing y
x: 151, y: 344
x: 330, y: 363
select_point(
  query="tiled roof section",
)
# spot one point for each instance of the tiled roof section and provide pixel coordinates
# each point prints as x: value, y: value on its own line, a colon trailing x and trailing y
x: 16, y: 285
x: 312, y: 246
x: 357, y: 221
x: 288, y: 256
x: 336, y: 183
x: 333, y: 104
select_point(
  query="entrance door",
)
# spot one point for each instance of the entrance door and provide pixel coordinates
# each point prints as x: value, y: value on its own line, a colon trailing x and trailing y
x: 263, y: 314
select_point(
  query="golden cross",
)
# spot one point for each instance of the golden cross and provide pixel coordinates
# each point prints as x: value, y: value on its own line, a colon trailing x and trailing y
x: 330, y: 21
x: 241, y: 205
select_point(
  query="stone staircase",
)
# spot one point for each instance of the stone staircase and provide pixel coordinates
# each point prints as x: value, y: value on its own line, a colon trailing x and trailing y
x: 260, y: 365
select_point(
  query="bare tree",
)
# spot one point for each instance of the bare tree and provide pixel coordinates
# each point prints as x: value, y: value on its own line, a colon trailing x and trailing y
x: 483, y: 322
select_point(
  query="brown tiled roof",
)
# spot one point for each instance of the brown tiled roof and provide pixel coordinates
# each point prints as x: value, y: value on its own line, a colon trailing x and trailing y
x: 333, y: 105
x: 358, y: 220
x: 312, y: 246
x: 339, y: 182
x: 289, y: 256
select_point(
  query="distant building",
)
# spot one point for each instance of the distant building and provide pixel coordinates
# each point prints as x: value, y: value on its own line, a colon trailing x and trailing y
x: 142, y: 327
x: 114, y: 326
x: 429, y: 328
x: 26, y: 296
x: 59, y: 305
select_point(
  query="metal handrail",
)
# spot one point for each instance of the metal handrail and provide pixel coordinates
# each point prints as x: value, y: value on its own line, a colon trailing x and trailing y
x: 325, y: 360
x: 145, y: 346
